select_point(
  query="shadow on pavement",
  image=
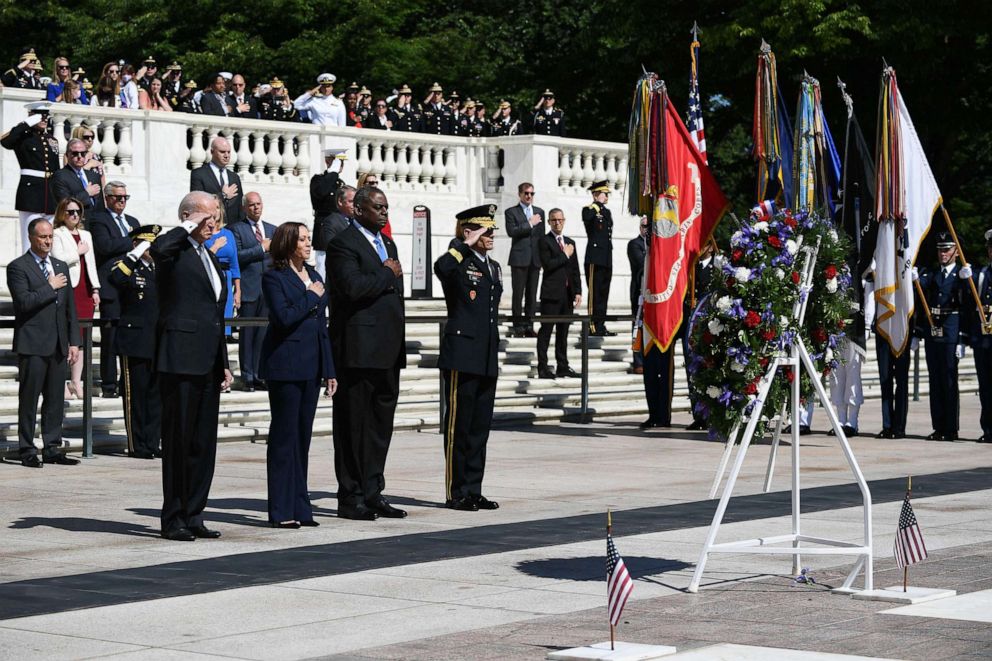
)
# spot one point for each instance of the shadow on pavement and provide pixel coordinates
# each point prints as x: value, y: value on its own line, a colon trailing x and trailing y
x: 79, y: 524
x: 593, y: 568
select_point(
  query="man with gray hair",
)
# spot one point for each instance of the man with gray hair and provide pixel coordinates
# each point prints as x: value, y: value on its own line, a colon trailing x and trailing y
x: 75, y: 181
x: 111, y: 228
x: 191, y: 361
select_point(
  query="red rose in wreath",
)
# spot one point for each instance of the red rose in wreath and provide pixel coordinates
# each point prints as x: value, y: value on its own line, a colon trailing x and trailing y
x: 737, y: 255
x: 788, y: 375
x: 795, y: 278
x: 819, y: 335
x: 751, y: 388
x: 768, y: 334
x: 830, y: 272
x: 790, y: 221
x: 774, y: 242
x: 752, y: 319
x: 707, y: 337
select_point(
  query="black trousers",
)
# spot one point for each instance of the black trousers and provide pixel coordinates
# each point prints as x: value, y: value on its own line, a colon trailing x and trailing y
x: 364, y: 405
x: 893, y: 374
x: 684, y: 336
x: 942, y: 366
x: 638, y: 359
x: 142, y: 405
x: 42, y: 376
x: 524, y: 282
x: 287, y: 457
x: 189, y: 445
x: 563, y: 306
x: 598, y: 284
x: 250, y: 339
x: 659, y: 370
x: 108, y: 358
x: 468, y: 416
x: 983, y: 369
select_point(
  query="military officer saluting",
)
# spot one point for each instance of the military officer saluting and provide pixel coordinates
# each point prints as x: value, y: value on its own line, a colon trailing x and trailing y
x: 25, y: 74
x: 134, y: 342
x: 548, y: 120
x: 37, y: 154
x: 405, y: 116
x: 980, y: 338
x: 473, y: 284
x: 944, y: 293
x: 599, y: 256
x: 437, y: 114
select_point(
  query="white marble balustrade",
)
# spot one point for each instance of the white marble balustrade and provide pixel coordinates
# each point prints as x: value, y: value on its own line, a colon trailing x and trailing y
x: 579, y: 165
x: 411, y: 161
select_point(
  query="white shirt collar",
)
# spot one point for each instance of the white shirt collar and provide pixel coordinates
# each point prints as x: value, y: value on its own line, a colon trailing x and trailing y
x: 369, y: 235
x: 38, y: 259
x: 483, y: 258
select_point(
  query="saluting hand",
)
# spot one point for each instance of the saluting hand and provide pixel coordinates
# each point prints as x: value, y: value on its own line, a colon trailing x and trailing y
x: 474, y: 235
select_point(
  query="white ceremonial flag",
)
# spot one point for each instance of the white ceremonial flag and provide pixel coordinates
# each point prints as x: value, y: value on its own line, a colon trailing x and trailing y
x: 895, y: 252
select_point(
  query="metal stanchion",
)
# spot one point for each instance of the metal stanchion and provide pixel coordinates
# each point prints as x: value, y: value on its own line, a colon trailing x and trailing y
x: 88, y: 390
x: 585, y: 370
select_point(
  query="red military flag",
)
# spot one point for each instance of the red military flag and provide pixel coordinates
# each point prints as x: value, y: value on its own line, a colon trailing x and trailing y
x: 684, y: 218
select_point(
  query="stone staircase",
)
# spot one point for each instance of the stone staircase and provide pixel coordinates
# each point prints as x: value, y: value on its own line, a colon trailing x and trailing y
x: 521, y: 397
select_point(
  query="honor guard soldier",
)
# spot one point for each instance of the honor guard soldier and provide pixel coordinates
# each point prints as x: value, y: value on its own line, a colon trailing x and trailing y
x: 437, y: 115
x: 548, y: 120
x: 981, y: 340
x: 37, y: 154
x: 466, y: 120
x: 504, y: 123
x: 405, y: 116
x: 944, y: 293
x: 472, y: 282
x: 323, y: 189
x: 599, y: 256
x: 134, y: 342
x: 25, y: 74
x: 276, y: 105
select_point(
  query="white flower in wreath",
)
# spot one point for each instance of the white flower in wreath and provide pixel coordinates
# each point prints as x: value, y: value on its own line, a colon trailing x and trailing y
x: 742, y: 274
x: 792, y: 247
x: 736, y: 237
x: 715, y: 326
x: 828, y: 355
x: 761, y: 227
x: 832, y: 234
x: 783, y: 321
x: 712, y: 392
x: 780, y: 274
x: 832, y: 285
x: 723, y: 305
x: 737, y: 367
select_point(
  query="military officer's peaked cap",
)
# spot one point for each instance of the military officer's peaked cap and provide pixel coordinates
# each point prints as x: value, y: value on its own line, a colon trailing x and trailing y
x: 326, y: 78
x: 599, y: 187
x: 436, y: 88
x: 145, y: 233
x: 38, y: 107
x: 548, y: 92
x: 481, y: 216
x: 504, y: 104
x: 365, y: 91
x: 454, y: 95
x: 87, y: 85
x: 275, y: 83
x: 353, y: 87
x: 405, y: 89
x: 175, y: 66
x: 190, y: 84
x: 944, y: 240
x: 469, y: 104
x: 150, y: 61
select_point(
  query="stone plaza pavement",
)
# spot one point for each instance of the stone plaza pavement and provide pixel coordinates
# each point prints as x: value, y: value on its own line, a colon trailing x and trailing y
x: 83, y: 573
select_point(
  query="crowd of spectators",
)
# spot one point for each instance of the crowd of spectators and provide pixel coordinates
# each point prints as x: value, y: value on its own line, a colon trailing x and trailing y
x: 227, y: 94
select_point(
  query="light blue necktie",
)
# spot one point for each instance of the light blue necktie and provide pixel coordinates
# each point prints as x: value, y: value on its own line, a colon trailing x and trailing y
x: 379, y: 248
x: 85, y: 182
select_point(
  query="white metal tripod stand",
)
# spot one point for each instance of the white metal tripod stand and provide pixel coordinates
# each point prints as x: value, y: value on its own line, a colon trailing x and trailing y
x: 798, y: 359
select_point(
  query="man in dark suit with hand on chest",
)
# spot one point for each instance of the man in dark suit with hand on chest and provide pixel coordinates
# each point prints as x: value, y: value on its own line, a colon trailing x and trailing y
x: 215, y: 178
x: 561, y: 292
x: 525, y: 225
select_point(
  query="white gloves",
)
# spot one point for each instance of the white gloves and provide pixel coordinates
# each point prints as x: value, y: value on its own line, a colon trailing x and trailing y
x: 916, y: 274
x: 139, y: 250
x: 965, y: 272
x: 959, y: 351
x: 914, y: 344
x: 33, y: 119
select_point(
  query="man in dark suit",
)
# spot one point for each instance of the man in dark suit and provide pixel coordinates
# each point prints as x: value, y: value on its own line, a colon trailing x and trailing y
x: 637, y: 250
x: 599, y: 256
x: 216, y: 179
x: 367, y: 326
x: 46, y: 340
x: 111, y: 229
x: 191, y: 361
x: 323, y: 188
x: 215, y: 100
x: 253, y: 237
x: 69, y: 181
x: 525, y: 225
x: 340, y: 218
x: 38, y: 158
x: 561, y: 292
x: 134, y: 279
x: 239, y: 102
x: 473, y: 285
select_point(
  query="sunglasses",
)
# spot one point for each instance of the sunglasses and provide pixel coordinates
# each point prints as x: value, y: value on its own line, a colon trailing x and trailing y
x: 72, y: 212
x: 88, y: 137
x: 77, y: 153
x: 371, y: 182
x: 528, y: 193
x: 120, y: 197
x: 113, y: 71
x: 62, y: 66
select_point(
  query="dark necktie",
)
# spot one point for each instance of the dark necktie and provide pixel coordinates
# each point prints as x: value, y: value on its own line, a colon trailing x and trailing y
x: 44, y: 268
x: 258, y: 234
x: 122, y: 224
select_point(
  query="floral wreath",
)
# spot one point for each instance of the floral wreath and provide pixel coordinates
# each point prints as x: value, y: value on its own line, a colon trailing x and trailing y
x: 746, y: 318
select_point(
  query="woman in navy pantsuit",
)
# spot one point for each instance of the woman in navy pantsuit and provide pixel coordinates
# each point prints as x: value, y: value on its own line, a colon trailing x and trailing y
x: 296, y: 361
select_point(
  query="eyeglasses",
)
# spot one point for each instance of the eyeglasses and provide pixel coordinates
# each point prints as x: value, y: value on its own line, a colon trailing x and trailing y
x: 62, y: 66
x: 77, y: 153
x: 381, y: 105
x: 113, y: 71
x: 120, y: 197
x: 528, y: 193
x: 88, y: 137
x: 72, y: 212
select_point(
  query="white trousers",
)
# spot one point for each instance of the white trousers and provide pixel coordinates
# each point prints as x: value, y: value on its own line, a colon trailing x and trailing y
x: 320, y: 263
x: 846, y: 393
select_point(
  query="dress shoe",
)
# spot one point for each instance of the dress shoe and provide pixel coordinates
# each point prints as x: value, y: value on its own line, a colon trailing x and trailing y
x: 309, y: 524
x: 530, y: 333
x: 638, y: 370
x: 204, y: 532
x: 382, y: 507
x: 61, y: 458
x: 850, y: 431
x: 179, y: 535
x: 260, y: 385
x: 290, y: 525
x: 606, y: 333
x: 650, y: 424
x: 141, y: 455
x: 545, y: 373
x: 696, y: 425
x: 483, y: 503
x: 804, y: 430
x: 249, y: 387
x: 984, y: 438
x: 31, y: 461
x: 934, y: 436
x: 111, y: 393
x: 462, y: 504
x: 157, y: 454
x: 949, y: 437
x: 567, y: 373
x: 885, y: 433
x: 898, y: 433
x: 356, y: 513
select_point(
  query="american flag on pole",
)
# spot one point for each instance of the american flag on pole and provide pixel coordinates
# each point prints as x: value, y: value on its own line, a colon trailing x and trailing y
x: 618, y: 582
x: 694, y: 117
x: 909, y: 547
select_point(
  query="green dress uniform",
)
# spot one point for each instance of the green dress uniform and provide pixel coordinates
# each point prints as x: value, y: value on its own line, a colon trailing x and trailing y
x: 472, y: 285
x: 598, y: 222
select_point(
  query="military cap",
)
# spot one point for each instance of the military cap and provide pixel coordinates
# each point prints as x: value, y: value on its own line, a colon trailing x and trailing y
x: 405, y: 89
x: 190, y: 84
x: 226, y: 75
x: 275, y: 83
x: 87, y: 85
x: 336, y: 152
x: 944, y: 240
x: 988, y: 237
x: 38, y: 66
x: 44, y: 80
x: 326, y: 79
x: 353, y: 87
x: 454, y: 95
x: 365, y: 91
x: 145, y: 233
x: 469, y: 104
x: 548, y: 93
x: 38, y: 107
x: 599, y: 187
x: 149, y: 62
x: 436, y: 88
x: 504, y: 104
x: 30, y: 55
x: 481, y: 216
x: 480, y: 104
x: 175, y: 66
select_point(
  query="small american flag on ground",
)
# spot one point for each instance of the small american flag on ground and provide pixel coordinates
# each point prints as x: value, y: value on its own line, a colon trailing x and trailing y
x: 618, y: 582
x: 694, y: 120
x: 909, y: 547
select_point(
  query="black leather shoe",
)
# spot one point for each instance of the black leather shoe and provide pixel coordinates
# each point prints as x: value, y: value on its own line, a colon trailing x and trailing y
x: 180, y: 535
x: 157, y: 454
x: 696, y: 425
x: 849, y: 431
x: 649, y: 424
x: 356, y: 513
x: 804, y: 430
x: 249, y: 387
x: 61, y: 459
x: 885, y: 433
x: 530, y: 333
x: 483, y: 503
x: 142, y: 455
x: 934, y: 436
x: 204, y: 532
x: 309, y: 524
x: 261, y: 385
x: 984, y: 438
x: 382, y: 507
x: 898, y: 434
x: 608, y: 333
x: 31, y: 461
x: 567, y: 373
x: 462, y: 504
x: 111, y: 393
x: 949, y: 437
x: 545, y: 373
x: 290, y: 525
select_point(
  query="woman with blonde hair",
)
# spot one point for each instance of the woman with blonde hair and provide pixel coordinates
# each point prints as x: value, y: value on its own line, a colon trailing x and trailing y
x: 93, y: 160
x: 74, y: 245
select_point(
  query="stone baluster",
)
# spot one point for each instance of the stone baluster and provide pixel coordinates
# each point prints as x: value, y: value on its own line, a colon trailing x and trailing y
x: 416, y: 166
x: 451, y: 166
x: 577, y: 170
x: 492, y: 168
x: 273, y: 159
x: 244, y: 159
x: 588, y: 172
x: 599, y: 172
x: 389, y: 162
x: 289, y: 158
x: 94, y: 125
x: 402, y: 165
x: 364, y: 162
x: 58, y: 131
x: 427, y: 166
x: 621, y: 170
x: 376, y: 164
x: 564, y: 167
x: 196, y: 152
x: 258, y: 158
x: 303, y: 157
x: 125, y: 148
x: 109, y: 148
x: 611, y: 169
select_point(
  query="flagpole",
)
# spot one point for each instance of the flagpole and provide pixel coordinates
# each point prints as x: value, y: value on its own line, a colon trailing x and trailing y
x: 971, y: 282
x: 609, y: 531
x: 905, y: 570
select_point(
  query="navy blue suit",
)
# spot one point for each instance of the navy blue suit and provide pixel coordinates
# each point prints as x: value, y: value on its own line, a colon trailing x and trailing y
x: 944, y: 294
x: 296, y: 358
x: 252, y: 260
x: 981, y: 345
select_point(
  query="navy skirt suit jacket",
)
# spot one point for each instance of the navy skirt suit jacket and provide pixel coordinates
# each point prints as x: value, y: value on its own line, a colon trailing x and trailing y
x: 297, y: 345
